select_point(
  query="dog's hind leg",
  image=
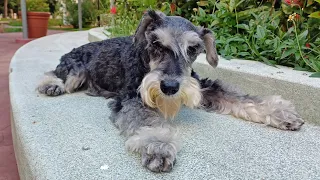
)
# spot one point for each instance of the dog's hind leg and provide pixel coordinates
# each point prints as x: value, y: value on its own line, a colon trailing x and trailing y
x: 147, y: 133
x: 270, y: 110
x: 52, y: 85
x: 69, y: 75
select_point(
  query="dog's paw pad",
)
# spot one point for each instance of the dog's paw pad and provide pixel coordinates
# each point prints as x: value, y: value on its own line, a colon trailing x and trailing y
x: 158, y: 161
x: 293, y: 124
x: 51, y: 90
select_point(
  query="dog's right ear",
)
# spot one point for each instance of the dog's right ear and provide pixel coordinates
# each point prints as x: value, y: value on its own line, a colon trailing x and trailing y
x: 210, y: 46
x: 148, y: 18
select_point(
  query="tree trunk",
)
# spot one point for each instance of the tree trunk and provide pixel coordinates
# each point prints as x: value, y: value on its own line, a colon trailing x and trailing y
x: 5, y: 15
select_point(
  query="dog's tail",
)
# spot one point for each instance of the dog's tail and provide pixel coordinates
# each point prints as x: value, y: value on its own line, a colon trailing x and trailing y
x: 271, y: 110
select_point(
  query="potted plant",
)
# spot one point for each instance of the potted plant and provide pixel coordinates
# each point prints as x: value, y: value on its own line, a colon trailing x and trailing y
x: 37, y: 17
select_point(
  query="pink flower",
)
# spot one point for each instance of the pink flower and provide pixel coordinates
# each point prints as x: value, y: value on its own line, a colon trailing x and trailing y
x: 113, y: 10
x: 308, y: 45
x: 294, y: 2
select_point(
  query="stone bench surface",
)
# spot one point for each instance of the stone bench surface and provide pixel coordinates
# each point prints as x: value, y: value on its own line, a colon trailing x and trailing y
x: 71, y: 138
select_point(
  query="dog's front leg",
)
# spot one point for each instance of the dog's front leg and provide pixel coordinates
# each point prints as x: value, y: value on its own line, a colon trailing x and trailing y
x: 147, y: 133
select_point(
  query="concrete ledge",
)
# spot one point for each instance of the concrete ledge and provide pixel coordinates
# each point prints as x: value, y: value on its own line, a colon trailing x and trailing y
x: 97, y: 34
x: 70, y: 137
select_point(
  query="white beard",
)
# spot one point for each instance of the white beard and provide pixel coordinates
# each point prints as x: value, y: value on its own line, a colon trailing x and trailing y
x: 188, y: 95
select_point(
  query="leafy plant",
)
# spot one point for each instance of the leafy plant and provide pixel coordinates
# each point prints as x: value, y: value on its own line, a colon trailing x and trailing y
x: 37, y: 5
x: 128, y: 15
x: 254, y: 31
x: 89, y: 12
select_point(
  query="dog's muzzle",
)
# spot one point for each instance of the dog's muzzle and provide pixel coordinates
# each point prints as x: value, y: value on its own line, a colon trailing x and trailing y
x: 169, y: 95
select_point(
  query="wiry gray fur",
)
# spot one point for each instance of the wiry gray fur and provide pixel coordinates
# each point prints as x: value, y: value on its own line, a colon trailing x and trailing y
x: 114, y: 68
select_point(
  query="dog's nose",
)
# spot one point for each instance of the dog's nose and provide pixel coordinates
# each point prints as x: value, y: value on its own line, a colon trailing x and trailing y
x: 169, y: 87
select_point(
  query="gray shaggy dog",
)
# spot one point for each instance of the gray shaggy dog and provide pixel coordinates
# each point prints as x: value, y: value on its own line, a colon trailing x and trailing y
x: 149, y: 76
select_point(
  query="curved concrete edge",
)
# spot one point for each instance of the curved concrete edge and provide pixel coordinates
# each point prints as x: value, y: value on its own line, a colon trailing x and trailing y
x: 98, y: 34
x: 70, y: 137
x: 260, y: 79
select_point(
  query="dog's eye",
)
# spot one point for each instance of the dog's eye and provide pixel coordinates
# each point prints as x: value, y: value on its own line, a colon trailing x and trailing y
x: 192, y: 49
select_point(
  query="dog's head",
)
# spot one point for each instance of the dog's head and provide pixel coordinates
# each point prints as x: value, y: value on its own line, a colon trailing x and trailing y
x: 173, y: 44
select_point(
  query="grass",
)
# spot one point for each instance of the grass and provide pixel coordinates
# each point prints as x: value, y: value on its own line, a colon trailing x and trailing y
x: 18, y: 22
x: 53, y: 24
x: 68, y: 29
x: 9, y: 30
x: 15, y: 22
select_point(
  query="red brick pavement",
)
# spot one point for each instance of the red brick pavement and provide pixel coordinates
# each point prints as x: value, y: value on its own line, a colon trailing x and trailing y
x: 8, y: 166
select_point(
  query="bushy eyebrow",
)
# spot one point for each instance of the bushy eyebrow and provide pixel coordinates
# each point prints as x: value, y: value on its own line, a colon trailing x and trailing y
x: 164, y: 36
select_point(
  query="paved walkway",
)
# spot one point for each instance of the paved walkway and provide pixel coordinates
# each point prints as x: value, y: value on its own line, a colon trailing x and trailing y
x: 8, y: 167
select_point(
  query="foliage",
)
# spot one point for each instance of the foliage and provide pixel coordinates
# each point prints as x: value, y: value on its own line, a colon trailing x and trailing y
x: 55, y: 22
x: 248, y: 30
x: 89, y: 12
x: 128, y: 15
x: 9, y: 30
x: 15, y: 23
x: 37, y: 5
x: 285, y: 33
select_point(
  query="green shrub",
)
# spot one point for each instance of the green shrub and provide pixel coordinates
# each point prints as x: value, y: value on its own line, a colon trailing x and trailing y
x: 248, y: 30
x: 37, y: 5
x: 89, y: 12
x: 55, y: 22
x: 128, y: 15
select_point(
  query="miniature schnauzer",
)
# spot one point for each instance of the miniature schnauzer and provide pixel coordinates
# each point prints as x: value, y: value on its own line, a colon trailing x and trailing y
x: 149, y: 76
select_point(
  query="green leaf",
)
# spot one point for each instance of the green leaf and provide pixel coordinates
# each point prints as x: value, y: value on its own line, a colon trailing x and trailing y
x: 240, y: 3
x: 232, y: 5
x: 273, y: 62
x: 297, y: 55
x: 244, y: 14
x: 215, y: 22
x: 202, y: 3
x: 265, y: 60
x: 316, y: 75
x: 242, y: 26
x: 315, y: 15
x: 236, y: 39
x: 261, y: 33
x: 233, y: 50
x: 201, y: 12
x: 298, y: 68
x: 288, y: 53
x: 288, y: 32
x: 303, y: 35
x: 243, y: 54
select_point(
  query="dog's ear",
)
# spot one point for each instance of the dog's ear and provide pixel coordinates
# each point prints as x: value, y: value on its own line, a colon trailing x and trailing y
x: 149, y: 17
x: 210, y: 46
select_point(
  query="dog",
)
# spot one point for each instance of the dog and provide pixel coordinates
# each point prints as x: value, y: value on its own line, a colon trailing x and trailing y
x: 148, y: 77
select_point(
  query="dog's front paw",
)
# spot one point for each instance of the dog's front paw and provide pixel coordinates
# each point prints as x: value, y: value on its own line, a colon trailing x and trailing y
x: 158, y: 157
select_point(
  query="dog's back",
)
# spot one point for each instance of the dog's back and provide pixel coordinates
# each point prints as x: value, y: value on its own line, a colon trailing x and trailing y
x: 103, y: 67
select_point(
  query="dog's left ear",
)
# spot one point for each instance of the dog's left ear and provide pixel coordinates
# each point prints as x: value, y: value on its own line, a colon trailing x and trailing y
x: 210, y: 46
x: 148, y: 18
